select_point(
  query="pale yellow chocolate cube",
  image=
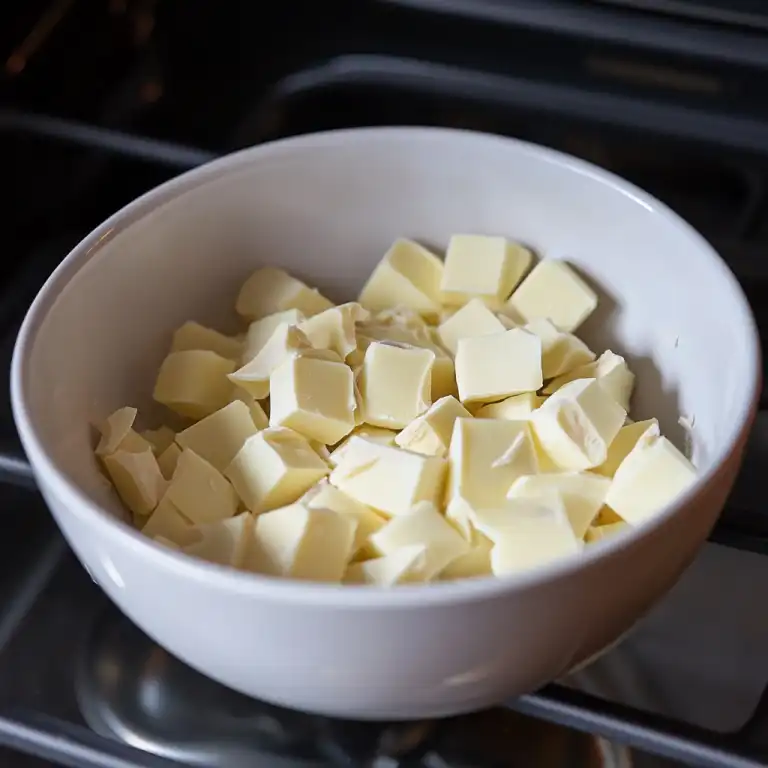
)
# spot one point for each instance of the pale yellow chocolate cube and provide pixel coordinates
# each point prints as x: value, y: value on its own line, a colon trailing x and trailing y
x: 561, y: 352
x: 224, y: 542
x: 405, y: 566
x: 335, y: 329
x: 479, y: 266
x: 137, y: 479
x: 475, y: 562
x: 314, y: 397
x: 367, y: 432
x: 258, y: 414
x: 168, y: 523
x: 270, y: 289
x: 602, y: 532
x: 623, y: 443
x: 114, y: 429
x: 515, y: 408
x: 259, y: 331
x: 159, y: 438
x: 192, y: 335
x: 430, y: 433
x: 473, y: 319
x: 168, y: 460
x: 274, y: 468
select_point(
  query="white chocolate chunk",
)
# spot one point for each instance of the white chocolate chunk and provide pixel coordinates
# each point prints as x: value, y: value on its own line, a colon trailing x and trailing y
x: 159, y: 438
x: 406, y: 566
x: 490, y: 368
x: 367, y: 432
x: 478, y: 266
x: 224, y: 542
x: 168, y: 460
x: 303, y: 543
x: 610, y: 369
x: 492, y: 522
x: 114, y: 430
x: 426, y: 526
x: 473, y: 319
x: 395, y: 384
x: 325, y: 496
x: 431, y: 432
x: 313, y: 397
x: 137, y: 479
x: 258, y: 415
x: 482, y: 465
x: 403, y: 317
x: 194, y: 382
x: 388, y: 479
x: 334, y: 329
x: 274, y: 468
x: 269, y: 290
x: 409, y: 275
x: 192, y: 335
x: 623, y: 443
x: 602, y: 532
x: 561, y: 352
x: 199, y: 491
x: 554, y: 291
x: 218, y: 437
x: 321, y: 449
x: 583, y: 494
x: 653, y: 474
x: 576, y: 425
x: 475, y: 562
x: 515, y: 408
x: 168, y: 523
x: 259, y: 331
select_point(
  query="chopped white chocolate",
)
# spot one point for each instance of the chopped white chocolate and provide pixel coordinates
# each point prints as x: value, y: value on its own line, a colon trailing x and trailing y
x: 475, y: 562
x: 404, y: 317
x: 313, y: 397
x: 274, y: 468
x: 259, y: 331
x: 409, y: 275
x: 321, y: 449
x: 601, y: 532
x: 269, y: 290
x: 224, y: 542
x: 366, y: 431
x: 303, y: 543
x: 199, y: 491
x: 473, y: 319
x: 395, y: 384
x: 478, y: 266
x: 334, y: 329
x: 431, y: 432
x: 386, y: 478
x: 218, y: 437
x: 258, y: 414
x: 192, y: 335
x: 653, y: 474
x: 576, y: 425
x: 167, y: 522
x: 583, y: 494
x: 325, y: 496
x: 515, y: 408
x: 486, y: 456
x: 406, y: 566
x: 426, y: 526
x: 623, y: 443
x: 554, y: 291
x: 137, y: 479
x: 561, y: 352
x: 115, y: 429
x: 490, y: 368
x: 159, y: 438
x: 610, y: 369
x: 168, y: 460
x: 194, y: 382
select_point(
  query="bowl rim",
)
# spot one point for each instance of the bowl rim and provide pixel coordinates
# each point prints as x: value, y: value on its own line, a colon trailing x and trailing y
x: 119, y: 534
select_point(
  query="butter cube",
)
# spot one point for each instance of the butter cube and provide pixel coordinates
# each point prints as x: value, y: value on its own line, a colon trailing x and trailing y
x: 168, y: 523
x: 192, y: 335
x: 486, y: 456
x: 199, y: 491
x: 623, y: 443
x: 388, y: 479
x: 478, y: 266
x: 490, y: 368
x: 367, y: 432
x: 430, y: 433
x: 159, y: 438
x: 274, y: 468
x: 168, y: 460
x: 303, y: 543
x: 583, y: 494
x: 475, y: 562
x: 137, y: 479
x: 115, y: 428
x: 409, y: 275
x: 602, y: 532
x: 269, y: 290
x: 395, y: 384
x: 405, y: 566
x: 313, y: 397
x: 194, y: 382
x: 554, y: 291
x: 224, y: 542
x: 561, y: 352
x: 334, y: 329
x: 426, y: 526
x: 653, y: 474
x: 577, y: 424
x: 217, y: 438
x: 259, y: 331
x: 473, y: 319
x: 258, y: 414
x: 515, y: 408
x: 610, y: 369
x: 325, y: 496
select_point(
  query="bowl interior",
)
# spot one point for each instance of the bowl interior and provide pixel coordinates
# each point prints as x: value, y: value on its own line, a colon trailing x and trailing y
x: 326, y: 207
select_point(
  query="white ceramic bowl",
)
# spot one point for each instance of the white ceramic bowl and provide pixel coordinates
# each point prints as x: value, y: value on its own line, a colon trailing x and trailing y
x: 326, y: 207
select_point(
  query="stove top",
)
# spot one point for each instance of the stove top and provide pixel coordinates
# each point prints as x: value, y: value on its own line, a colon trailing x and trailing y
x: 103, y: 100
